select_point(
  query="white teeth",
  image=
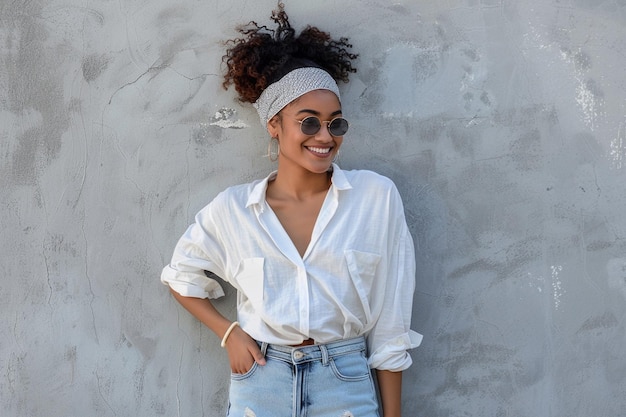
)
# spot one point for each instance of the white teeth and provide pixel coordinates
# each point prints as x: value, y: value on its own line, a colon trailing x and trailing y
x: 320, y: 150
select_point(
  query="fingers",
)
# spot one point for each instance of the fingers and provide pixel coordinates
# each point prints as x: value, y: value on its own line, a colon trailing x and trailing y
x: 243, y: 365
x: 243, y: 352
x: 257, y: 355
x: 242, y: 369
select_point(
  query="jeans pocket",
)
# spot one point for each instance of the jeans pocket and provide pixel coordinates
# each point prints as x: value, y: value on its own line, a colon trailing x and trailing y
x: 350, y: 367
x: 247, y: 375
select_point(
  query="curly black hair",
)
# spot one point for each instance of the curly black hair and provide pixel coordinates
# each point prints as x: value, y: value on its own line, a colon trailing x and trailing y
x: 263, y: 56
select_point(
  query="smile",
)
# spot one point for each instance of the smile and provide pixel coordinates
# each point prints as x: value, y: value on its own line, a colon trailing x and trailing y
x: 319, y: 150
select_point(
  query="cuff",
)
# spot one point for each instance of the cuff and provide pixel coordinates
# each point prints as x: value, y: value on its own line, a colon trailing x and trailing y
x: 393, y: 355
x: 191, y: 285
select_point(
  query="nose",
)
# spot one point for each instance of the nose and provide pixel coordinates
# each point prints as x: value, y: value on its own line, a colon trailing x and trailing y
x: 324, y: 133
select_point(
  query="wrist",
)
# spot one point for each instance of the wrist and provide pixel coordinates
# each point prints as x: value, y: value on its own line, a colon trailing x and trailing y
x: 228, y: 332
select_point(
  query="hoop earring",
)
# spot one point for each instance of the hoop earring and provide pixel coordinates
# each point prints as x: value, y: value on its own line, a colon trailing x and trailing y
x: 273, y: 149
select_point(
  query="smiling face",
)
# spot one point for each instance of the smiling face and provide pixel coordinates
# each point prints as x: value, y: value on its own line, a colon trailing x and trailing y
x: 298, y: 151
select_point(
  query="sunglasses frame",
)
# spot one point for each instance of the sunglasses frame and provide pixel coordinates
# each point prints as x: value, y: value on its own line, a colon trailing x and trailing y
x: 328, y: 123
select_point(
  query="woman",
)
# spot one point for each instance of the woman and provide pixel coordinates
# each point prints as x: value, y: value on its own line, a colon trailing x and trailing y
x: 321, y: 258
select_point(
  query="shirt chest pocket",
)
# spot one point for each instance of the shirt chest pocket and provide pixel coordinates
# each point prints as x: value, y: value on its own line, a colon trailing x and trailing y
x: 250, y: 279
x: 362, y: 268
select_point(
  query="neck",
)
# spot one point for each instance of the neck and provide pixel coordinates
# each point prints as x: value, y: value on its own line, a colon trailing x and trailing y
x: 300, y: 185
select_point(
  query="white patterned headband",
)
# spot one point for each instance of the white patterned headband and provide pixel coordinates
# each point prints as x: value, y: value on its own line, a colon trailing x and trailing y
x: 293, y: 85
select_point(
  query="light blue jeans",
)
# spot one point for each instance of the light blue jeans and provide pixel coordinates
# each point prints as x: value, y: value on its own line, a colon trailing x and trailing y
x: 331, y: 380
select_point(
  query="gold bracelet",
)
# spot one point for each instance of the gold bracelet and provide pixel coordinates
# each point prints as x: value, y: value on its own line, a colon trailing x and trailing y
x: 228, y: 332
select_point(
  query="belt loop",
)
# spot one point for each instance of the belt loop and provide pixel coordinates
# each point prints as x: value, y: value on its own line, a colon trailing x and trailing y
x: 264, y: 348
x: 324, y: 355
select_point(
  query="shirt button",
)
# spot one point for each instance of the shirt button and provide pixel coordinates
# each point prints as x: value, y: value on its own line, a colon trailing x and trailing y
x: 298, y: 355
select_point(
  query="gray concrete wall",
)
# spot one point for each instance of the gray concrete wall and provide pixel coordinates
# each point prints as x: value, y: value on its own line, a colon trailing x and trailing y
x: 503, y: 124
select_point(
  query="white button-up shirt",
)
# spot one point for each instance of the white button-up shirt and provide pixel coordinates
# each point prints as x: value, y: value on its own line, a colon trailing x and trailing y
x: 357, y: 276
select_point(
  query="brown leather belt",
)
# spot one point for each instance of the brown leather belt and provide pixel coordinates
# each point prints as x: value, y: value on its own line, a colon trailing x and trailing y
x: 307, y: 342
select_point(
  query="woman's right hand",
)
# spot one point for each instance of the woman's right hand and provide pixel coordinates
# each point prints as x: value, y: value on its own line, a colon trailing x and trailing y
x: 243, y: 351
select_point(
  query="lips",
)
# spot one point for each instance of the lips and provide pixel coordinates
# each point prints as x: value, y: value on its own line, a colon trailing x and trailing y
x: 319, y: 151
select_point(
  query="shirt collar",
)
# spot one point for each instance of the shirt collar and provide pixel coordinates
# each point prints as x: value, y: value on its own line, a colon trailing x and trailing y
x: 257, y: 195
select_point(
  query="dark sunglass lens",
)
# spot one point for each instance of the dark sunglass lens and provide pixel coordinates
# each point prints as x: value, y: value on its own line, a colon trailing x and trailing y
x: 310, y: 125
x: 338, y: 126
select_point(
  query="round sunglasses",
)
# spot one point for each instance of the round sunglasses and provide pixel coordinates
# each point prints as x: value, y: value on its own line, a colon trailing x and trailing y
x: 311, y: 125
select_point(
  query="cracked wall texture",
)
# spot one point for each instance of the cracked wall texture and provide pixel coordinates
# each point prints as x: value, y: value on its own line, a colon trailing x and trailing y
x: 503, y: 124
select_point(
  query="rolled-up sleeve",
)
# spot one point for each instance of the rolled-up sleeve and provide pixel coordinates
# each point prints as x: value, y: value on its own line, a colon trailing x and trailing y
x: 197, y: 251
x: 391, y: 336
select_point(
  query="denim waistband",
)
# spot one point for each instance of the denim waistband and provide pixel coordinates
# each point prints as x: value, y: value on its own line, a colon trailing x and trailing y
x: 321, y: 352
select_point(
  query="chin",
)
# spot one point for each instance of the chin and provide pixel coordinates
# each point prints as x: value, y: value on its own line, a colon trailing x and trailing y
x: 320, y: 168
